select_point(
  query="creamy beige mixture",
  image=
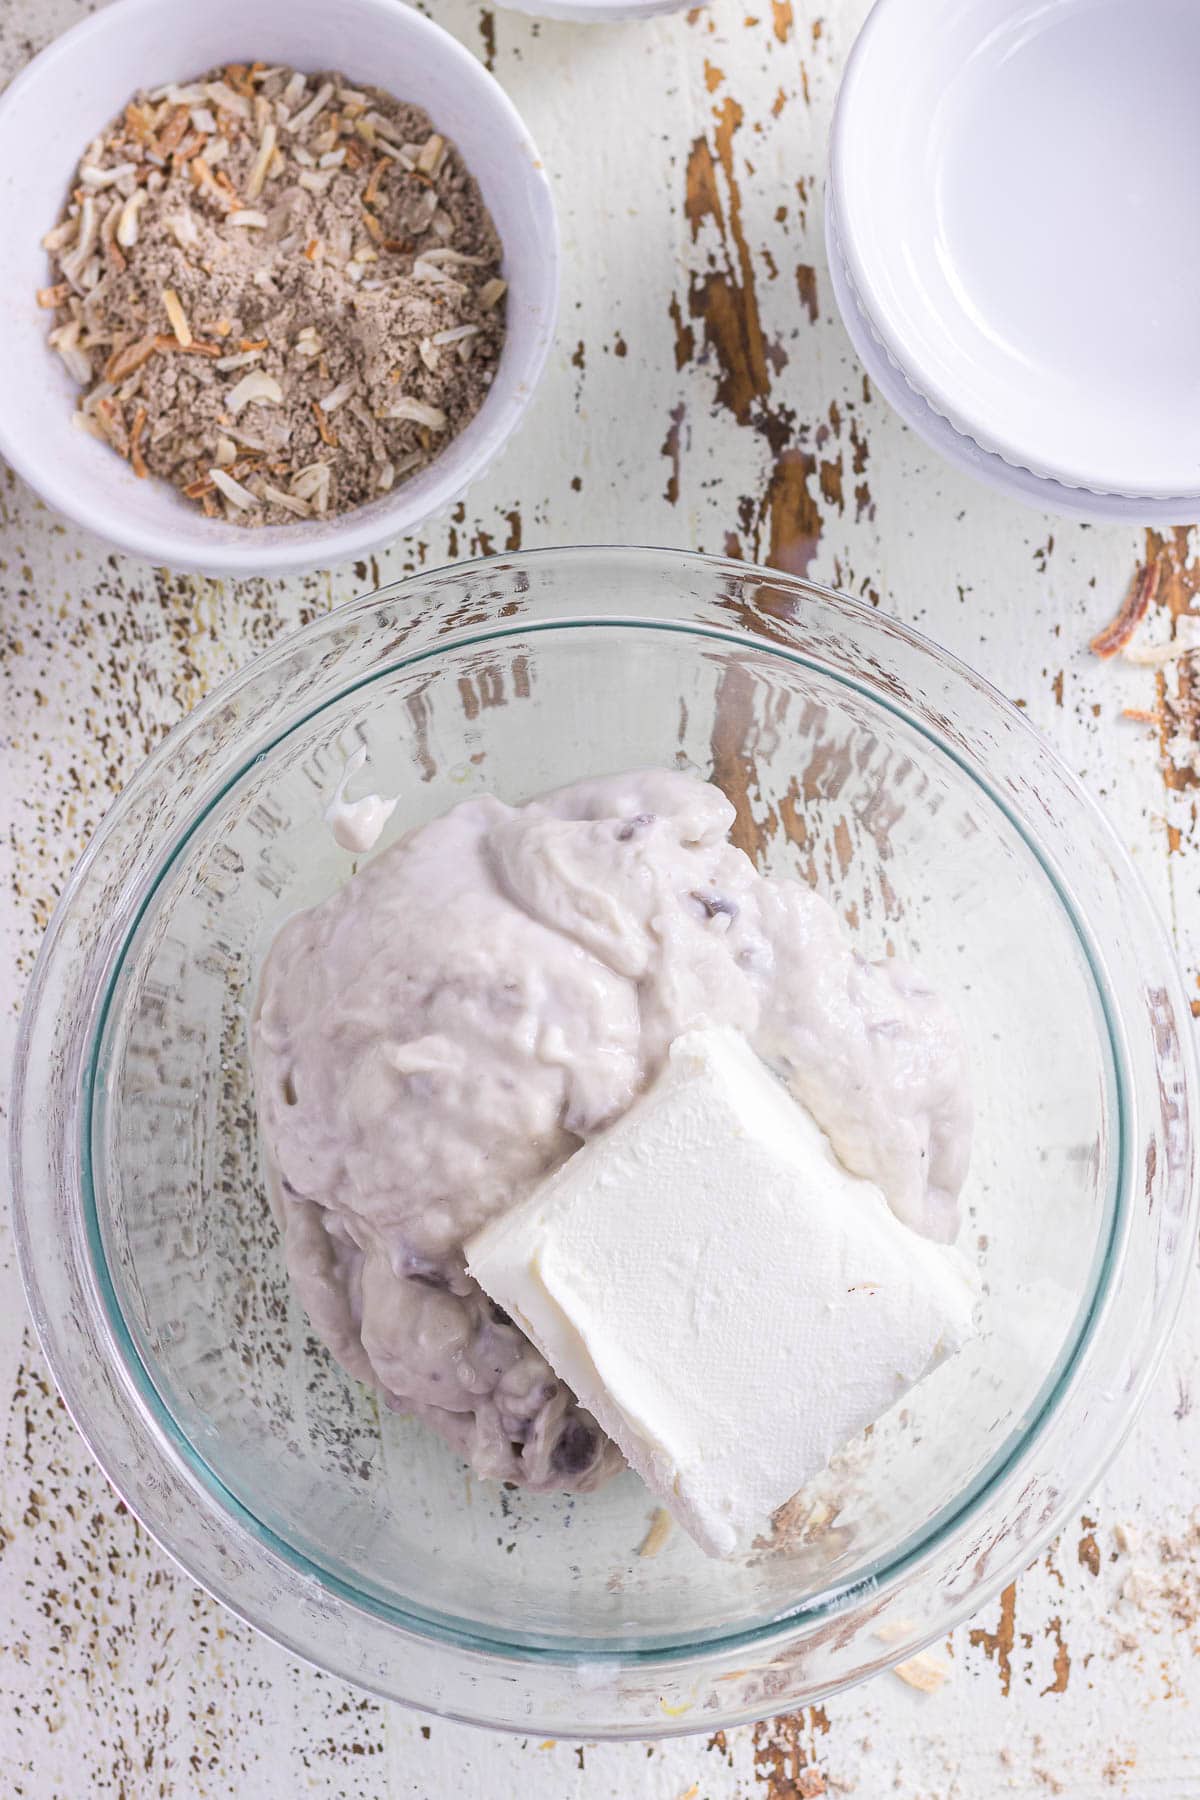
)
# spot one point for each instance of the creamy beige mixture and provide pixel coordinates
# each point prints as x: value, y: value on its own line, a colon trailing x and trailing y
x: 500, y: 985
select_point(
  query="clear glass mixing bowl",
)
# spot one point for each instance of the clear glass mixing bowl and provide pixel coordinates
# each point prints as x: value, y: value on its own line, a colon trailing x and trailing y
x: 860, y: 758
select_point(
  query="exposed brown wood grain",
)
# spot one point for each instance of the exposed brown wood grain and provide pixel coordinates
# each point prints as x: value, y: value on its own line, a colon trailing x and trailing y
x: 997, y: 1645
x: 786, y: 1755
x: 1177, y: 592
x: 793, y: 515
x: 724, y: 299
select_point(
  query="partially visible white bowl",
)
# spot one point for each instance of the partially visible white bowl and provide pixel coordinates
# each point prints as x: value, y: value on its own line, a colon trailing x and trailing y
x: 597, y: 12
x: 1038, y: 491
x: 70, y: 92
x: 1014, y: 185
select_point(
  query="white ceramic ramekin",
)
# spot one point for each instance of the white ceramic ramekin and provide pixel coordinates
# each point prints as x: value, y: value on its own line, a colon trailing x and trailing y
x: 73, y: 88
x: 1008, y: 180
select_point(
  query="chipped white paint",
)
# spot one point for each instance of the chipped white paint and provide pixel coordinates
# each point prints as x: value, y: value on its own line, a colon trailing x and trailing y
x: 701, y: 394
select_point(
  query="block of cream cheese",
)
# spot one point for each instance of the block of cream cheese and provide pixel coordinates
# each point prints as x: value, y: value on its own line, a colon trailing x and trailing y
x: 728, y: 1300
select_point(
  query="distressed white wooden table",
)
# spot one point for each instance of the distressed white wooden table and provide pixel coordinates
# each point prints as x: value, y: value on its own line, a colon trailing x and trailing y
x: 702, y: 393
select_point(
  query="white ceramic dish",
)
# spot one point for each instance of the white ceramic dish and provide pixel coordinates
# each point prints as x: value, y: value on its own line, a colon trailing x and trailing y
x: 1038, y: 491
x: 84, y: 79
x: 1004, y: 172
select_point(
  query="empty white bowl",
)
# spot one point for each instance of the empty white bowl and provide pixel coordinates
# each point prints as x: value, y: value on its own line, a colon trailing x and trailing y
x: 1038, y: 491
x: 1014, y: 187
x: 69, y: 92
